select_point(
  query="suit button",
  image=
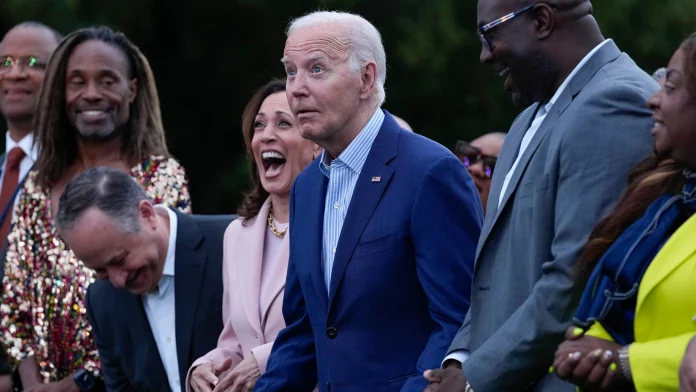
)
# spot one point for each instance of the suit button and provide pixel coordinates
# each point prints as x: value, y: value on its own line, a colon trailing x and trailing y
x: 331, y: 332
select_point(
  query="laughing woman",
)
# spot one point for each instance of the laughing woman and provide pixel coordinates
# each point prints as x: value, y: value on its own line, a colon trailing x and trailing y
x: 636, y: 315
x: 256, y: 247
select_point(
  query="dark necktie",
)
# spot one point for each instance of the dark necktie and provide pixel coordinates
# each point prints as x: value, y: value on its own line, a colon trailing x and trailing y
x: 9, y: 185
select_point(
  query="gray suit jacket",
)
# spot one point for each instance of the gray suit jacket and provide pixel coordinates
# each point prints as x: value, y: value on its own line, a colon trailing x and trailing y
x: 570, y: 176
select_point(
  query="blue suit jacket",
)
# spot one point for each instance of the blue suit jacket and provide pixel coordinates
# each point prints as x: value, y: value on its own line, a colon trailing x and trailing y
x: 127, y: 348
x: 401, y: 278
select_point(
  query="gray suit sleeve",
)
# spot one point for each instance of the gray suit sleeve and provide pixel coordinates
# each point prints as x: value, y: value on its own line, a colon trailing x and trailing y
x: 461, y: 339
x: 602, y: 142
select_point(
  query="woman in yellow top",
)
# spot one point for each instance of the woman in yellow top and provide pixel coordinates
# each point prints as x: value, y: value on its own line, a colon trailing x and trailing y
x: 636, y: 315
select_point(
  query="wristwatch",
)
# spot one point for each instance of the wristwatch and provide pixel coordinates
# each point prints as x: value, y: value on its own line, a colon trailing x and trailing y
x: 468, y: 387
x: 85, y: 380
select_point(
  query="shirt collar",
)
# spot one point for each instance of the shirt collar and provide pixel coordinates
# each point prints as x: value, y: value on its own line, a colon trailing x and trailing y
x: 26, y: 144
x: 171, y: 247
x: 577, y: 68
x: 355, y: 155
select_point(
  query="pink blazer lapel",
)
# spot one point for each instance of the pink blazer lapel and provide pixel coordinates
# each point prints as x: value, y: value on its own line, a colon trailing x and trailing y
x: 248, y: 255
x: 277, y: 276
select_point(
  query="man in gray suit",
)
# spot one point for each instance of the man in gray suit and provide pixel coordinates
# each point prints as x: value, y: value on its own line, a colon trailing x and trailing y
x: 564, y: 164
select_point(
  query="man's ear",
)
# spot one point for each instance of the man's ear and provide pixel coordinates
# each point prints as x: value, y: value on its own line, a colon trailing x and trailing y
x: 544, y: 20
x: 369, y: 80
x: 147, y: 213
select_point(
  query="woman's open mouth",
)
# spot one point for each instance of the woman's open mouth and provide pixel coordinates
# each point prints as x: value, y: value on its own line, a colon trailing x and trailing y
x: 273, y: 163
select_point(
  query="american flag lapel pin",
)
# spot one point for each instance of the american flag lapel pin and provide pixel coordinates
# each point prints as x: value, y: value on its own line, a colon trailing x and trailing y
x: 376, y: 179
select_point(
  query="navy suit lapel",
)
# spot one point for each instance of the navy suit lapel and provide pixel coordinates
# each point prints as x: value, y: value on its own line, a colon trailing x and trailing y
x: 313, y: 203
x: 365, y: 198
x: 150, y: 360
x: 189, y: 270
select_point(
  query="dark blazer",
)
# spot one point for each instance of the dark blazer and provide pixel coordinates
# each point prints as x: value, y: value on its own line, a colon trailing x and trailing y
x: 127, y: 348
x: 400, y: 282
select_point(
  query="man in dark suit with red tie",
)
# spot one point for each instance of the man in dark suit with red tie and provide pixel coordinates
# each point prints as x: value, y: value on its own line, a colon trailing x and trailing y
x: 24, y: 52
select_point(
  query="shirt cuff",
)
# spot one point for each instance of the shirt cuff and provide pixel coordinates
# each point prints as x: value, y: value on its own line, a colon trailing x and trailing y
x: 458, y: 355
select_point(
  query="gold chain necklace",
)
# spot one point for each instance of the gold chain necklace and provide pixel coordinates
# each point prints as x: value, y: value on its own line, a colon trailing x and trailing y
x: 271, y: 226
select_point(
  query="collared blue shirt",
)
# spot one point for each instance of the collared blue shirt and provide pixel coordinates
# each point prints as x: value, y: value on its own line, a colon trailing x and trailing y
x: 343, y: 173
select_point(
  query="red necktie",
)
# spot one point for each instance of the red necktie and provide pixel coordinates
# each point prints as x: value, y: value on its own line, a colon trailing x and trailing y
x: 9, y: 185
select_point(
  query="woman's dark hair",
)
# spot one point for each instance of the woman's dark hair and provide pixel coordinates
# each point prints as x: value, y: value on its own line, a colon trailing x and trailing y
x: 649, y: 180
x: 57, y: 140
x: 652, y: 178
x: 254, y: 198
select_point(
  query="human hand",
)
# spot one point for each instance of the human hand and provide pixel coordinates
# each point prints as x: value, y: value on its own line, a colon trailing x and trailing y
x: 449, y: 379
x: 242, y: 378
x: 205, y: 377
x: 588, y: 362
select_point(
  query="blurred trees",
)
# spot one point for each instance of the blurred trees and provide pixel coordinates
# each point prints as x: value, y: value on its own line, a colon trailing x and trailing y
x: 209, y: 56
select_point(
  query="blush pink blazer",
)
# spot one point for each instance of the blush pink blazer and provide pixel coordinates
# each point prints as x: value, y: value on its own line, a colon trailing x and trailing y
x: 249, y: 326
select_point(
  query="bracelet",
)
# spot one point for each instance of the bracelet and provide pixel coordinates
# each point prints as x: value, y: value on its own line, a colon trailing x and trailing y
x: 624, y: 363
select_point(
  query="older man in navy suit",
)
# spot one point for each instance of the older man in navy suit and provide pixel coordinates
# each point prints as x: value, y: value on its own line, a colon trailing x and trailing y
x: 157, y: 305
x: 384, y: 226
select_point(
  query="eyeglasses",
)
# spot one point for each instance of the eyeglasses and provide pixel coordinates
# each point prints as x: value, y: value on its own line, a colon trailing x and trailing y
x: 488, y: 27
x: 29, y: 62
x: 470, y: 155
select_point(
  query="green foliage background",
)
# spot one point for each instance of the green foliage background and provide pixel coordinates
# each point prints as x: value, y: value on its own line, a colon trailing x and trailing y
x: 209, y: 56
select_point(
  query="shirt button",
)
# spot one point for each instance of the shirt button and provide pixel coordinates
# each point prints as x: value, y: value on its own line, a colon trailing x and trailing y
x: 336, y: 205
x: 169, y: 340
x: 178, y: 382
x: 334, y: 250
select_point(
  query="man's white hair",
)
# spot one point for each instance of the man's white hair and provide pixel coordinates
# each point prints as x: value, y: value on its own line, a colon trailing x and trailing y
x: 365, y: 42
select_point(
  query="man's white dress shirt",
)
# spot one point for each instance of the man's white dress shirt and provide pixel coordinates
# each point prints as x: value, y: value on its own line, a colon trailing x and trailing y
x: 160, y: 310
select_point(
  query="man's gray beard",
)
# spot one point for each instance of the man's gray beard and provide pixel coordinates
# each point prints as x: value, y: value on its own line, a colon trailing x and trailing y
x: 101, y: 135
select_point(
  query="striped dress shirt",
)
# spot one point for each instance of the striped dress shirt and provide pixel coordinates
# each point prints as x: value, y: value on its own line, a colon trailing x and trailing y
x: 343, y: 173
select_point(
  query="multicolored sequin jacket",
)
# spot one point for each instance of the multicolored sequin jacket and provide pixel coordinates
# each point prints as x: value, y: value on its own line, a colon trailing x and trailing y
x: 43, y: 305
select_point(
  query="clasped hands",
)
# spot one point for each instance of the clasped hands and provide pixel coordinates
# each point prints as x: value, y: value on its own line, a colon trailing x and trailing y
x: 585, y: 361
x: 589, y: 362
x: 451, y: 378
x: 206, y: 377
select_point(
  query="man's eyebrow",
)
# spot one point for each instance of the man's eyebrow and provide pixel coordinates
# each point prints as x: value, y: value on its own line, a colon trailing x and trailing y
x: 317, y: 57
x: 314, y: 58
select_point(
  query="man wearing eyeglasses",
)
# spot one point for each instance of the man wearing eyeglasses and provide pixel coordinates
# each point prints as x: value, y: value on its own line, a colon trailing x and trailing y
x: 480, y: 157
x: 562, y: 167
x: 24, y: 52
